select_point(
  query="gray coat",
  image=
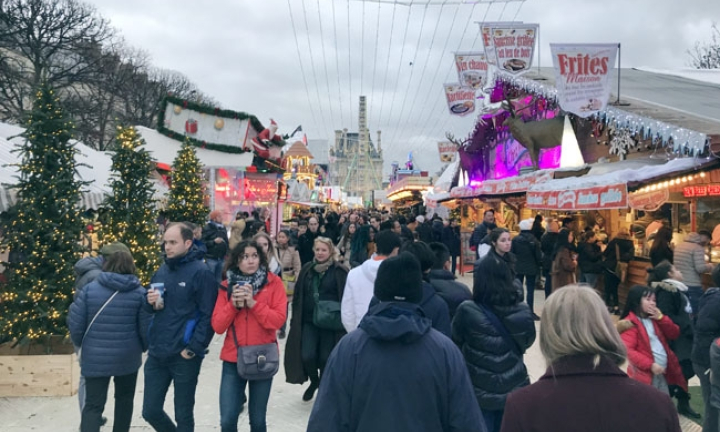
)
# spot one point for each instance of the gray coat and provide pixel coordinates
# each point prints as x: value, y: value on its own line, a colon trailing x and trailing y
x: 114, y: 344
x: 86, y: 270
x: 690, y: 260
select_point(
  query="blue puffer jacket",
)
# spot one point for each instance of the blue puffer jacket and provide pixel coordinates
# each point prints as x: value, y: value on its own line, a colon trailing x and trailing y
x: 114, y: 344
x: 190, y: 294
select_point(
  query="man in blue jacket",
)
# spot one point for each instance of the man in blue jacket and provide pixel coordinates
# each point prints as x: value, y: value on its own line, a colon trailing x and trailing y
x: 180, y: 330
x: 395, y: 372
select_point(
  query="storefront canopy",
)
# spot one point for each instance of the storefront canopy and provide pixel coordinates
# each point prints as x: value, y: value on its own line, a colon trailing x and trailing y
x: 605, y: 186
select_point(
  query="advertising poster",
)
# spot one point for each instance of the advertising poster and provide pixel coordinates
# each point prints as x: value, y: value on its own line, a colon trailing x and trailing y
x: 472, y: 69
x: 486, y: 30
x: 514, y: 47
x: 460, y: 100
x: 447, y: 151
x: 582, y: 74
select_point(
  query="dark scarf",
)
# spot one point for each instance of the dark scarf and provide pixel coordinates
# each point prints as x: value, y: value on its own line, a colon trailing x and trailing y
x: 321, y: 268
x: 257, y: 280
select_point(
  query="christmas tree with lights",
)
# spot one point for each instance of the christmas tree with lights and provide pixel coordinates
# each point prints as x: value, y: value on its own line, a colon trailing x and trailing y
x: 44, y: 233
x: 131, y: 208
x: 186, y: 202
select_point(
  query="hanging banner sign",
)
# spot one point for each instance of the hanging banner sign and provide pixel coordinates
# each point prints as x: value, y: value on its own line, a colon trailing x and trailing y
x: 512, y: 185
x: 582, y: 74
x: 460, y: 100
x: 486, y: 31
x: 648, y: 201
x: 513, y: 47
x: 592, y: 198
x: 447, y: 151
x: 463, y: 192
x: 472, y: 69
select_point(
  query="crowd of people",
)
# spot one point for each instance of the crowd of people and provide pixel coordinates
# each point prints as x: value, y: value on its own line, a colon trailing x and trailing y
x: 386, y: 335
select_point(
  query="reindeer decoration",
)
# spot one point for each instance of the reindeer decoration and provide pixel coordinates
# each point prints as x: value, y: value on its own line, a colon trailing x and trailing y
x: 536, y: 135
x: 475, y: 151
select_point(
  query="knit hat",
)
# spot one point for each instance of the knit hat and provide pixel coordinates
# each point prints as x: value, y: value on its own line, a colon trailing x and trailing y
x: 420, y: 219
x: 399, y: 279
x: 526, y: 224
x: 111, y: 248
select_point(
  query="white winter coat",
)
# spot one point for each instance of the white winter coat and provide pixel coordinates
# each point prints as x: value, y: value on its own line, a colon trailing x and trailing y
x: 358, y: 292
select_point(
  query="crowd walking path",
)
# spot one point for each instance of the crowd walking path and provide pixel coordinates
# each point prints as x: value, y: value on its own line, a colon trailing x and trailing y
x: 286, y: 410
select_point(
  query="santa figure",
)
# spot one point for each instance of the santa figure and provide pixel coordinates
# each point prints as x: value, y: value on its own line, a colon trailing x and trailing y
x: 267, y: 144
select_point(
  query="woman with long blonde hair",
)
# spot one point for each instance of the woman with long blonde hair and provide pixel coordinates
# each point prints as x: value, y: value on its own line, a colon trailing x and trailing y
x: 315, y: 326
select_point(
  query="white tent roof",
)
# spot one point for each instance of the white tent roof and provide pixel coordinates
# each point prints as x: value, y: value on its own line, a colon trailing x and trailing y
x: 93, y: 166
x: 444, y: 182
x: 164, y: 149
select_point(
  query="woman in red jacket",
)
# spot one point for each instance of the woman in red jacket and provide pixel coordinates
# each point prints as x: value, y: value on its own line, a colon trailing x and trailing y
x: 645, y: 332
x: 251, y: 311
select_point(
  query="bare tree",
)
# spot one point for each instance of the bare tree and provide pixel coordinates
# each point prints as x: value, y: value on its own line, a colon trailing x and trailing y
x: 97, y: 104
x: 706, y: 55
x: 57, y: 41
x: 147, y: 89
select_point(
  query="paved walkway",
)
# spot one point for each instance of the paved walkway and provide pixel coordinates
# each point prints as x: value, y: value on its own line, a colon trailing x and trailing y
x: 286, y: 411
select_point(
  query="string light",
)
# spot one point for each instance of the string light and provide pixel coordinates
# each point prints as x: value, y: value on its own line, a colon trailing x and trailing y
x: 42, y: 234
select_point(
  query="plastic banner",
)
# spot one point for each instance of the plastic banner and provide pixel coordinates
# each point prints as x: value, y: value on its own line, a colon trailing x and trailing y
x: 472, y: 69
x: 514, y: 47
x: 592, y: 198
x: 648, y: 201
x: 460, y: 100
x: 485, y: 31
x: 582, y: 74
x: 447, y: 151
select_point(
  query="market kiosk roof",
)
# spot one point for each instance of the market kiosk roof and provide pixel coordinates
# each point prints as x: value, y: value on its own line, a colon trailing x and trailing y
x: 164, y: 150
x: 688, y: 103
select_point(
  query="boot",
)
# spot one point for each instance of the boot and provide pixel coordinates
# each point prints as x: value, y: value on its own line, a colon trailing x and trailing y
x: 683, y: 407
x: 310, y: 392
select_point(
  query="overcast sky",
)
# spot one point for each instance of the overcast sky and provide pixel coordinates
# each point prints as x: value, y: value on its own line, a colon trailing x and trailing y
x: 244, y: 53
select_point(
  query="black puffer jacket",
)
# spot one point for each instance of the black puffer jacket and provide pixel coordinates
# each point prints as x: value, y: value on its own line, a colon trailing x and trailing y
x: 707, y: 327
x: 449, y: 289
x: 547, y: 246
x: 527, y: 252
x: 590, y: 258
x: 495, y: 367
x: 672, y: 302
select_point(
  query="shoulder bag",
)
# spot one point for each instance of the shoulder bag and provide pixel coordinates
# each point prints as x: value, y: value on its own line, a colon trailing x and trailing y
x: 621, y: 268
x: 495, y: 321
x: 326, y: 314
x: 256, y: 362
x: 79, y: 353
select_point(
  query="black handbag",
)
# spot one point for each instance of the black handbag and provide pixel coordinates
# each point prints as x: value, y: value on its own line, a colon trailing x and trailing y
x: 257, y: 362
x: 326, y: 314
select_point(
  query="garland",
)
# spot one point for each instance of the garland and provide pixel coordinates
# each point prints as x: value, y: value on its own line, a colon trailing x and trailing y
x: 204, y: 109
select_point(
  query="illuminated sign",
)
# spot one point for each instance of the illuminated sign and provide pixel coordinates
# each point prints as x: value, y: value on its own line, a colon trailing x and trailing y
x: 701, y: 191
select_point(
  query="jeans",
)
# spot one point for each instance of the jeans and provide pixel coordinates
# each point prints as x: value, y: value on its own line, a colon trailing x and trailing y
x: 548, y: 283
x: 611, y: 289
x: 493, y: 419
x: 159, y: 373
x: 316, y: 346
x: 96, y: 396
x: 81, y: 385
x: 529, y: 288
x: 694, y: 294
x: 711, y: 418
x: 215, y: 267
x: 232, y: 397
x: 589, y: 278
